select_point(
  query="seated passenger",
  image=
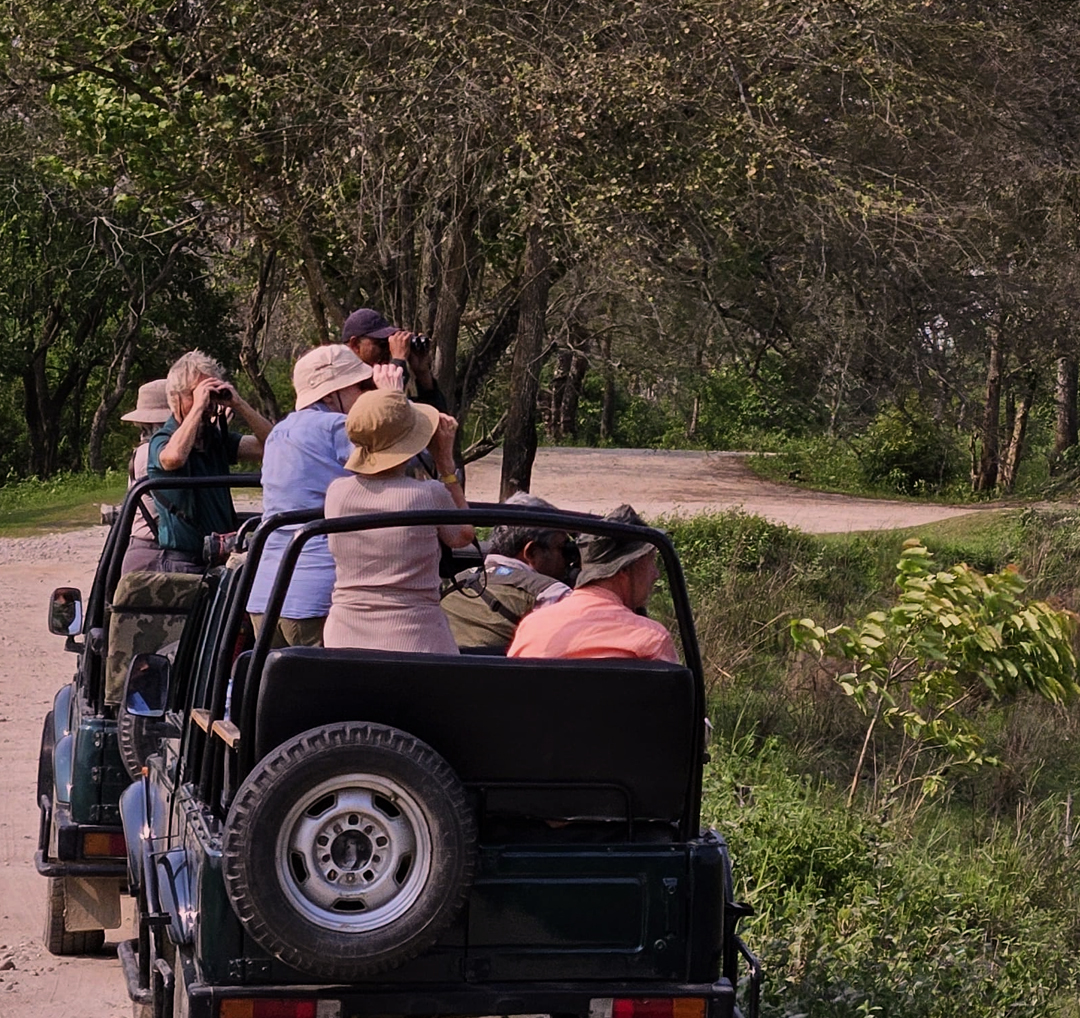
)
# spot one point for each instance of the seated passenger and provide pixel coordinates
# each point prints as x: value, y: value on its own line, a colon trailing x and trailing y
x: 523, y: 569
x: 599, y: 618
x: 386, y: 595
x: 302, y: 455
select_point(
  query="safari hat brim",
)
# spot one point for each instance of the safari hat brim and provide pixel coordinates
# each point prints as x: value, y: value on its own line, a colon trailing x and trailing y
x: 603, y: 555
x: 324, y: 370
x: 151, y: 404
x: 376, y: 448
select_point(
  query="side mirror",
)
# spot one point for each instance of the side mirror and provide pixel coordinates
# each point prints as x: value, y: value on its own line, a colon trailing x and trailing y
x: 146, y: 691
x: 65, y: 611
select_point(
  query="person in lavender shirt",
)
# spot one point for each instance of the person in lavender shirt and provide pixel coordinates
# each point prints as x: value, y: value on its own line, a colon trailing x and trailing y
x: 304, y: 453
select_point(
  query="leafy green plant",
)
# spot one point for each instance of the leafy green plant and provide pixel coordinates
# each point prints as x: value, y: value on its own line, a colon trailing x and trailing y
x: 907, y: 450
x: 952, y: 636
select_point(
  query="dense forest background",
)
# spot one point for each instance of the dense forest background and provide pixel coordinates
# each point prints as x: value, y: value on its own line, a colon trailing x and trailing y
x: 676, y: 223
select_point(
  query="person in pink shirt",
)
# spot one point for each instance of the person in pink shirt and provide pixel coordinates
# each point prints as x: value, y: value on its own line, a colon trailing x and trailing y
x: 598, y: 619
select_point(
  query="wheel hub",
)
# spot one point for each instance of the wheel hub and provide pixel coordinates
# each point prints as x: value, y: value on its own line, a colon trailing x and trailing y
x: 354, y: 853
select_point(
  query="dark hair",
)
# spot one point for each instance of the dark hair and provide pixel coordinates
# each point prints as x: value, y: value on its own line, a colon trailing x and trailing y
x: 511, y: 541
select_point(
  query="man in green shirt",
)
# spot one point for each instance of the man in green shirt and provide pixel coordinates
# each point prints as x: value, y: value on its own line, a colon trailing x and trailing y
x: 196, y: 442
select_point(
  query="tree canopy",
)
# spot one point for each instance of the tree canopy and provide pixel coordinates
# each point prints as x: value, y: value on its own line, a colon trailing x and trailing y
x: 871, y: 203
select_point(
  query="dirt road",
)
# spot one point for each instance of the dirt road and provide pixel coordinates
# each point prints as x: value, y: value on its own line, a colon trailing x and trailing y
x: 33, y: 664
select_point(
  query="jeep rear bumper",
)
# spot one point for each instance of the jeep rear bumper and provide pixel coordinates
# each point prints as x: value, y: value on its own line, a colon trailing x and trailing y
x: 458, y: 999
x: 68, y: 859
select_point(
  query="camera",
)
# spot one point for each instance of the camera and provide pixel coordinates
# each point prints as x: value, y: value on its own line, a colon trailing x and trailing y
x: 217, y: 548
x: 419, y: 344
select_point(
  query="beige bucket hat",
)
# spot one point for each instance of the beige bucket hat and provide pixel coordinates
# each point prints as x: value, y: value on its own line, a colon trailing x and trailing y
x: 603, y: 555
x: 325, y: 370
x: 151, y: 405
x: 387, y: 429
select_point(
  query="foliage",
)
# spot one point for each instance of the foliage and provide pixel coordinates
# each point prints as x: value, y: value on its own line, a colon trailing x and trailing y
x: 857, y: 916
x: 906, y: 450
x: 953, y: 635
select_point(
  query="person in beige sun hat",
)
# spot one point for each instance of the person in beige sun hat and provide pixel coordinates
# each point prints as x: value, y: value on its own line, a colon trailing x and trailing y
x: 303, y: 454
x: 386, y: 595
x: 151, y: 411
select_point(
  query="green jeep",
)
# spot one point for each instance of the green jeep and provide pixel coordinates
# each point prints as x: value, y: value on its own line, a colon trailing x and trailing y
x: 90, y: 748
x: 347, y: 832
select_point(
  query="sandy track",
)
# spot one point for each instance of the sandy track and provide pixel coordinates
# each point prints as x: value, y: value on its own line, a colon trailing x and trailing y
x: 33, y: 664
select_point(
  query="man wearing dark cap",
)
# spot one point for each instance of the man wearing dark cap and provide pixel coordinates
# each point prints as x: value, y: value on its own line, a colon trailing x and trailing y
x: 599, y: 618
x: 375, y: 341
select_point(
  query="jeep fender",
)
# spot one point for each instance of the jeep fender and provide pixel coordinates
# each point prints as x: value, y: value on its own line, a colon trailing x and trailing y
x: 136, y: 825
x: 63, y: 761
x: 61, y: 712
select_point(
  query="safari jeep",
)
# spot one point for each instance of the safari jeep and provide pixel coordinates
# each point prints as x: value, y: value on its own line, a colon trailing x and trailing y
x: 344, y: 833
x: 90, y: 749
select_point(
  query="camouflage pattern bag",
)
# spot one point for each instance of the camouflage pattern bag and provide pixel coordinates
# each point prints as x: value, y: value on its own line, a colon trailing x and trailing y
x: 148, y: 611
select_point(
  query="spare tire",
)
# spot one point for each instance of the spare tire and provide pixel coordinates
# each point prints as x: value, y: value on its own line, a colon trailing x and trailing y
x: 349, y: 849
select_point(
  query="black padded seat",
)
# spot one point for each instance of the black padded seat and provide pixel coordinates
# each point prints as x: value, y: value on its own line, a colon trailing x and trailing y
x: 596, y: 739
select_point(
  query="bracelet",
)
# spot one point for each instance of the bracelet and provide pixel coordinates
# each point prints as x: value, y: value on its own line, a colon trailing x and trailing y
x: 450, y: 479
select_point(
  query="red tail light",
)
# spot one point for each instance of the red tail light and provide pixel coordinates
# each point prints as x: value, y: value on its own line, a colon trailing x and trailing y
x: 647, y: 1007
x: 269, y: 1007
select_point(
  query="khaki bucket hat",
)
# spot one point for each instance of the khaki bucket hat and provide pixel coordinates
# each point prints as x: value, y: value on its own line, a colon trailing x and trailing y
x: 387, y: 429
x: 151, y: 405
x: 603, y: 555
x: 325, y: 370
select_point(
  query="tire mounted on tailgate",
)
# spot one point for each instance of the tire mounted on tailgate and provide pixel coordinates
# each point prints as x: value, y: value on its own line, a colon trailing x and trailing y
x: 349, y: 849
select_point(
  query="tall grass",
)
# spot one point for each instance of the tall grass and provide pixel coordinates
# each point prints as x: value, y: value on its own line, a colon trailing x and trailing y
x: 971, y: 907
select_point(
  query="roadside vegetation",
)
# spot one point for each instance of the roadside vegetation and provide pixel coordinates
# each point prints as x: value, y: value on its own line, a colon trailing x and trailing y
x: 962, y: 900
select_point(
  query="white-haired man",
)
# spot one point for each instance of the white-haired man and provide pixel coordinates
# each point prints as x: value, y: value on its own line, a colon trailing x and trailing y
x: 196, y: 442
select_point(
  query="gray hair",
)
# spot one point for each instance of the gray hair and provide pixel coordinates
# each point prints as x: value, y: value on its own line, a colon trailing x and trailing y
x: 185, y: 373
x: 511, y: 541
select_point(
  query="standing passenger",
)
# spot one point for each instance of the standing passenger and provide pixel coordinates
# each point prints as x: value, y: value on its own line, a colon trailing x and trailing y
x: 303, y: 454
x: 386, y: 596
x: 151, y: 411
x: 196, y: 442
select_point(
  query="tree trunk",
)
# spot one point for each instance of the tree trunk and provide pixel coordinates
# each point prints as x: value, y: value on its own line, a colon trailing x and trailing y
x: 984, y: 475
x: 568, y: 409
x: 1065, y: 425
x: 460, y: 247
x: 519, y: 446
x: 607, y: 410
x: 1011, y: 459
x: 111, y: 400
x: 553, y: 405
x: 260, y: 307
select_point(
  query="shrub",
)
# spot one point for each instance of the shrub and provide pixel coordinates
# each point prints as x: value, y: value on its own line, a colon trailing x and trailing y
x: 906, y: 450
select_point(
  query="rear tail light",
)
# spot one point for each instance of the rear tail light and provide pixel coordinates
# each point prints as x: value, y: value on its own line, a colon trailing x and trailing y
x: 99, y: 845
x: 269, y: 1007
x: 647, y: 1007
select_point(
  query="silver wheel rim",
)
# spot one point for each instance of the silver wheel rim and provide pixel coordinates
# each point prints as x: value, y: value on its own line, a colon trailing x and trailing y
x: 354, y: 853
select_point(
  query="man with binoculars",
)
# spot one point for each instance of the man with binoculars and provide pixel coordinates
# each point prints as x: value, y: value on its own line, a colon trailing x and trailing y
x: 375, y: 341
x: 196, y: 442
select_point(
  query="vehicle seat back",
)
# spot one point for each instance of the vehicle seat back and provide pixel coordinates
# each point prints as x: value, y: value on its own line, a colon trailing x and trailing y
x: 583, y: 739
x: 148, y: 610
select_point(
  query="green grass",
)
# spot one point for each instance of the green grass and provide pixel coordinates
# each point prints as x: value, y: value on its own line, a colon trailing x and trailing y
x: 64, y: 502
x: 969, y: 907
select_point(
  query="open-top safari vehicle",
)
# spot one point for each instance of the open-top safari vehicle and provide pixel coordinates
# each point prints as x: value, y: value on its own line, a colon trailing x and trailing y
x: 346, y: 832
x: 90, y: 748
